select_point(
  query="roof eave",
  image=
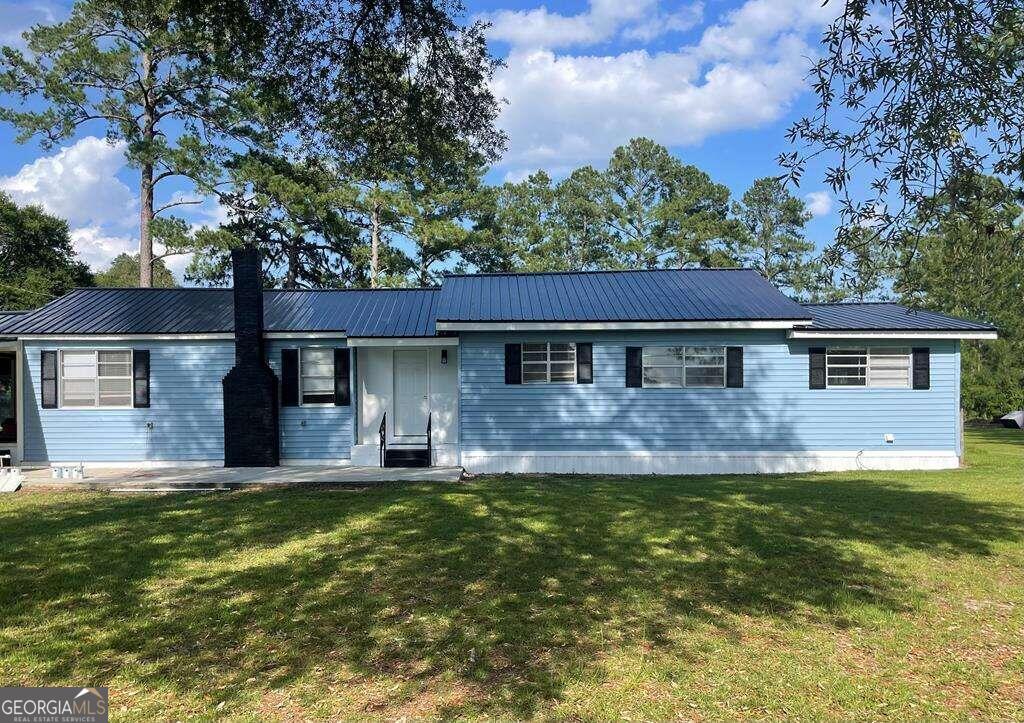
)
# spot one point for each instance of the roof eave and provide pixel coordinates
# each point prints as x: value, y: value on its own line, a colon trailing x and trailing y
x: 632, y: 325
x: 893, y: 334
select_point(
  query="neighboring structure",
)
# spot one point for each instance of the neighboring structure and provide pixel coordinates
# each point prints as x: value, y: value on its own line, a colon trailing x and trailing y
x: 668, y: 371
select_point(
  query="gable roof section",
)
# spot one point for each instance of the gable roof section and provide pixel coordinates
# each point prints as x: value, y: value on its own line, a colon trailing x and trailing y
x: 665, y: 295
x: 357, y: 312
x: 698, y: 298
x: 886, y: 317
x: 376, y: 312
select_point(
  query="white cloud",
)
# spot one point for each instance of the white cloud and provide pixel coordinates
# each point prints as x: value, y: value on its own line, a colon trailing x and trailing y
x: 98, y: 249
x: 663, y: 23
x: 78, y: 183
x: 604, y: 20
x: 819, y: 203
x: 575, y: 109
x: 749, y: 31
x: 567, y: 109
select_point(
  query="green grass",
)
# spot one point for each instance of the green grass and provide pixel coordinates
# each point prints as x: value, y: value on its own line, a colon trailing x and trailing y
x: 857, y: 595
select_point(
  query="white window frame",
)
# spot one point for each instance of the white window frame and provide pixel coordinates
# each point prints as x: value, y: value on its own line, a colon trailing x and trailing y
x: 682, y: 366
x: 302, y: 377
x: 96, y: 364
x: 547, y: 363
x: 869, y: 352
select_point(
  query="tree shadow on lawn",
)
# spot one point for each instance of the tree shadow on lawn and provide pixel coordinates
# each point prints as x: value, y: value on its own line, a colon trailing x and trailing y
x: 505, y: 587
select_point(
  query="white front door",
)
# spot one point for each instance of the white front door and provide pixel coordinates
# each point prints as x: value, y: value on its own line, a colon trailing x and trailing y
x: 411, y: 392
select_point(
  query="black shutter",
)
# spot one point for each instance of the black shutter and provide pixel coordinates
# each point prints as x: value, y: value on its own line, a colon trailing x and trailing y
x: 734, y: 366
x: 342, y: 383
x: 634, y: 366
x: 922, y: 368
x: 48, y: 374
x: 140, y: 378
x: 513, y: 363
x: 816, y: 355
x: 289, y: 377
x: 585, y: 363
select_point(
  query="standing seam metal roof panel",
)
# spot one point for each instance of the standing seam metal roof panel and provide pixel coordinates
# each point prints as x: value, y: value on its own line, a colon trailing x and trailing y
x: 379, y: 312
x: 886, y: 317
x: 654, y: 295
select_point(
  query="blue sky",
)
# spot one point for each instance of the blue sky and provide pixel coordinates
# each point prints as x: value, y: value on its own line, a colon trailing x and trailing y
x: 717, y: 81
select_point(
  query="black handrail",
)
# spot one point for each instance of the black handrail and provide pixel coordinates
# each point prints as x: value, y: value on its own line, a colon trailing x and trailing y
x: 430, y: 457
x: 383, y: 432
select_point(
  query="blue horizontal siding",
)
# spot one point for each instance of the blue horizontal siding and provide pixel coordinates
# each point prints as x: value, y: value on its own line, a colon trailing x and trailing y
x: 774, y: 411
x: 186, y: 409
x: 318, y: 432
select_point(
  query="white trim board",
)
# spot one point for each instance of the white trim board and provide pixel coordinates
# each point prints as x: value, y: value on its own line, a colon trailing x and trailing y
x: 357, y: 341
x: 138, y: 464
x: 823, y: 334
x: 611, y: 325
x: 692, y: 463
x: 58, y: 338
x: 316, y: 462
x: 302, y: 335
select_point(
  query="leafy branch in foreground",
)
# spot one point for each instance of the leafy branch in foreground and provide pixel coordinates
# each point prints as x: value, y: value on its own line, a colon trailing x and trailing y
x: 912, y: 94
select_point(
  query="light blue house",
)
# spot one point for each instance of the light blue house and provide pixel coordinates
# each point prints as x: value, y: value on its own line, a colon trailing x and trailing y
x: 668, y: 371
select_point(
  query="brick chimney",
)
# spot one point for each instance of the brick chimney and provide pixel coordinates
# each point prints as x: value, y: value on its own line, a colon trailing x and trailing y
x: 251, y: 432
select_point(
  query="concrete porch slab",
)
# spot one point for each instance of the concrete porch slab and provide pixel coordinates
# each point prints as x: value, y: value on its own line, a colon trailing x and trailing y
x: 213, y: 478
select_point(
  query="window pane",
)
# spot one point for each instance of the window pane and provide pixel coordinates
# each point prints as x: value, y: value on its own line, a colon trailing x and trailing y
x: 890, y: 351
x: 318, y: 398
x: 562, y: 372
x: 848, y: 380
x: 705, y: 376
x: 115, y: 357
x: 531, y: 376
x: 115, y: 400
x: 535, y: 356
x: 563, y: 347
x: 318, y: 370
x: 535, y: 348
x: 115, y: 385
x: 889, y: 367
x: 78, y: 401
x: 318, y: 384
x: 663, y: 376
x: 847, y: 367
x: 78, y: 365
x: 115, y: 370
x: 887, y: 378
x: 317, y: 354
x: 663, y: 355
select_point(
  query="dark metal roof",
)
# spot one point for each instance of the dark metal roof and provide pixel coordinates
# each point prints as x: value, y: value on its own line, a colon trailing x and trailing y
x: 886, y: 317
x: 364, y: 312
x: 657, y: 295
x: 665, y: 295
x: 376, y: 312
x: 7, y: 318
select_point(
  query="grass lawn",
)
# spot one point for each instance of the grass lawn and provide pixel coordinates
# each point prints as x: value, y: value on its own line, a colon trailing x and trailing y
x: 863, y: 595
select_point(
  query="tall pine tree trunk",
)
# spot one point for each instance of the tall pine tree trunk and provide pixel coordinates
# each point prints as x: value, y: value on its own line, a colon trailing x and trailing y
x: 292, y: 274
x: 146, y: 182
x: 374, y: 244
x: 145, y: 232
